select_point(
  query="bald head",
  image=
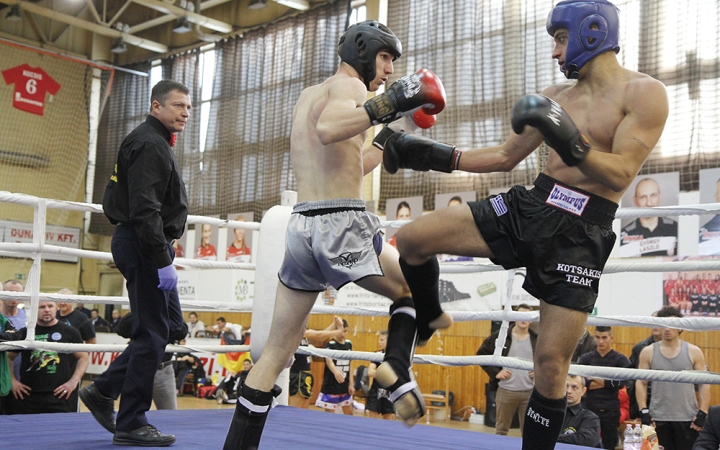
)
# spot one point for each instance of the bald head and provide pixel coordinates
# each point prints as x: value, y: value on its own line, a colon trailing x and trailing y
x: 647, y: 193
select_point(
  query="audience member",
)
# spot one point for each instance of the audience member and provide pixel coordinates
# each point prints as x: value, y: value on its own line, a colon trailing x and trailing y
x: 602, y: 396
x: 227, y: 390
x: 194, y: 325
x: 75, y: 318
x: 301, y: 378
x: 378, y: 402
x: 634, y: 360
x: 678, y: 414
x: 337, y: 387
x: 81, y: 307
x: 585, y: 344
x: 114, y: 321
x: 12, y: 311
x: 513, y: 386
x: 96, y: 320
x: 222, y: 326
x: 184, y: 364
x: 5, y: 379
x: 709, y: 437
x: 48, y: 380
x: 581, y: 426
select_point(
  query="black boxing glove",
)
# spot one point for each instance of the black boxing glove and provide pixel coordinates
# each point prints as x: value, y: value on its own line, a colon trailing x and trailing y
x: 645, y: 417
x: 407, y: 151
x: 405, y: 124
x: 700, y: 418
x: 423, y: 90
x: 558, y: 129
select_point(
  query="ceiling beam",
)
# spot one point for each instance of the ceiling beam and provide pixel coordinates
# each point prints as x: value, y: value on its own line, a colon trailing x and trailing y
x: 193, y: 17
x: 84, y: 24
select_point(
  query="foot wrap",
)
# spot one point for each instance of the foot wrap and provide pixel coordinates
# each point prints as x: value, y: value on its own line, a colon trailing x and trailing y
x: 405, y: 395
x: 423, y: 283
x: 543, y: 421
x: 249, y: 419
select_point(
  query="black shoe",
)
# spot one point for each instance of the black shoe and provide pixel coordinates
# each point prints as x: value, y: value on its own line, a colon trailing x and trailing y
x: 101, y: 407
x: 147, y: 436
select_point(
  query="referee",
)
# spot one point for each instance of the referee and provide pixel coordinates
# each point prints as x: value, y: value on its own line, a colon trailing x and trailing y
x: 146, y: 199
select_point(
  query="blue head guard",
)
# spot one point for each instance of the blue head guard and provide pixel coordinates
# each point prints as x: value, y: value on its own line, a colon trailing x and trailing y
x: 580, y: 18
x: 361, y: 43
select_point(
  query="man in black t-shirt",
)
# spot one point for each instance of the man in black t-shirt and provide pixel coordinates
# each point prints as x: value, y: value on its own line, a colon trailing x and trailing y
x: 337, y: 387
x: 75, y: 319
x: 48, y: 380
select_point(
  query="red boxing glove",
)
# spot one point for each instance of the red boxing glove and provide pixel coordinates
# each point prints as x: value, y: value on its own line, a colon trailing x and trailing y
x: 424, y: 120
x: 405, y: 96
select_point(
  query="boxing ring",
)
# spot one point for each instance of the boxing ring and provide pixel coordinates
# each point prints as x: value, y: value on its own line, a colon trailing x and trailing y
x: 307, y: 429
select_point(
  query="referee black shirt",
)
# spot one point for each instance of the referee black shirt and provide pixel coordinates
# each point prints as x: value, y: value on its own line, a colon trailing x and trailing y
x: 606, y: 398
x: 147, y: 191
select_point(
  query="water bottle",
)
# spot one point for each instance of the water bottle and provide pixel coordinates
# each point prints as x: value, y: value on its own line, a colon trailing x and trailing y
x: 637, y: 437
x: 628, y: 438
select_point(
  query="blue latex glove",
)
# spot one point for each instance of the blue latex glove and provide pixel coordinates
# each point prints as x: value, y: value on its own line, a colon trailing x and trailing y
x: 168, y: 278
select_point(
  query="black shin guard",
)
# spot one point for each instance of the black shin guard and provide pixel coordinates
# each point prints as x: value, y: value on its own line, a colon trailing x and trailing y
x: 423, y: 283
x: 543, y: 422
x: 249, y: 419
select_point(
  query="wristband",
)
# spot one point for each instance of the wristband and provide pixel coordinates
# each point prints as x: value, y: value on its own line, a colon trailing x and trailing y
x: 700, y: 418
x: 645, y: 416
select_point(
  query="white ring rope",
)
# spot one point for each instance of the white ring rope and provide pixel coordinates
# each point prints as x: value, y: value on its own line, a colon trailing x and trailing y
x: 62, y: 347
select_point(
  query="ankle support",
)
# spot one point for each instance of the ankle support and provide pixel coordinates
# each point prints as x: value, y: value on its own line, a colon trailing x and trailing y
x: 423, y: 283
x: 401, y: 334
x: 249, y: 419
x: 543, y: 422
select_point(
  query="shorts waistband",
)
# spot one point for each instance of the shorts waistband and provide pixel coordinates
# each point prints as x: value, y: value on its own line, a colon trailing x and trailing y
x: 598, y: 210
x: 330, y: 206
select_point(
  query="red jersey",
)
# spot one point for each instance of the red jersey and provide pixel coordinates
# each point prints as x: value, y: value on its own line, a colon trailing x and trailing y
x: 239, y: 255
x: 207, y: 253
x: 30, y: 87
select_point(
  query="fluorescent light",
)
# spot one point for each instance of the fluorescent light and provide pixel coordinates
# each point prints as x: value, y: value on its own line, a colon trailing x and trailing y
x: 182, y: 25
x: 297, y: 4
x: 119, y: 46
x: 257, y: 4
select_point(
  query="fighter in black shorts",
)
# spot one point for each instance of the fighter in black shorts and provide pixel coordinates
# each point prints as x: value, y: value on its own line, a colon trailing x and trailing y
x: 601, y: 130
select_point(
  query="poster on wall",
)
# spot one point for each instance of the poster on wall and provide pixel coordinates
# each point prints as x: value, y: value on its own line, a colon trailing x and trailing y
x: 208, y: 241
x: 179, y: 245
x: 693, y: 293
x: 650, y: 236
x: 22, y: 233
x: 709, y: 235
x: 443, y: 201
x: 239, y: 240
x: 404, y: 208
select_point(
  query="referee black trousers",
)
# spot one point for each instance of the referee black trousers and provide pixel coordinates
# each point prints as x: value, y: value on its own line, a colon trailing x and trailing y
x: 156, y: 316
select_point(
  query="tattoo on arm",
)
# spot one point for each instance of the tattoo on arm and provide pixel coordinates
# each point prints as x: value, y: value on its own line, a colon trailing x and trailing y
x: 640, y: 143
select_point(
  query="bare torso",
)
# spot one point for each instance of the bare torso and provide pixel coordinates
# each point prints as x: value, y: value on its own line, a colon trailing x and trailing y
x: 327, y: 171
x: 597, y: 114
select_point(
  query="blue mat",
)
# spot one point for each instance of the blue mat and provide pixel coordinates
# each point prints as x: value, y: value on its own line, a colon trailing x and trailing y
x: 287, y: 429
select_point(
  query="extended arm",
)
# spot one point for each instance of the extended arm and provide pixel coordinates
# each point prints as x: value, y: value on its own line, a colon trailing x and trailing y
x: 698, y: 360
x: 641, y: 385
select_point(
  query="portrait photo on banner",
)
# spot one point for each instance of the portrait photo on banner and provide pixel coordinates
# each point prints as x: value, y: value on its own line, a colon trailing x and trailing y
x: 443, y: 201
x: 239, y: 241
x: 180, y: 245
x: 709, y: 235
x: 206, y: 241
x: 404, y: 208
x: 650, y: 236
x: 693, y: 293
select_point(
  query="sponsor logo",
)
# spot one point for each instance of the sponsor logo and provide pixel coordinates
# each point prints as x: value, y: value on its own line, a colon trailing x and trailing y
x: 498, y: 205
x: 568, y: 200
x: 347, y: 259
x: 535, y: 416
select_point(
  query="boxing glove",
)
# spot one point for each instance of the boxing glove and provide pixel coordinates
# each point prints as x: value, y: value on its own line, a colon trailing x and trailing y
x: 406, y: 124
x: 554, y: 124
x: 407, y: 151
x: 423, y: 90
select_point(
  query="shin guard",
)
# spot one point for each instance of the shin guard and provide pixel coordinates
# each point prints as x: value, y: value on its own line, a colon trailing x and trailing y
x: 249, y: 419
x: 395, y: 373
x: 543, y: 422
x: 423, y: 283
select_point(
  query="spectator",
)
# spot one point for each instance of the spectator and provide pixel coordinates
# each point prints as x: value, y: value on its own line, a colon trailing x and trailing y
x: 184, y: 364
x: 581, y: 426
x: 602, y: 396
x: 75, y: 318
x: 96, y: 320
x: 5, y: 379
x: 10, y: 308
x: 585, y: 345
x: 222, y: 326
x: 378, y: 402
x: 81, y: 307
x: 337, y: 387
x: 634, y: 360
x: 513, y: 386
x: 115, y: 320
x: 48, y: 380
x: 674, y: 408
x: 194, y: 325
x: 301, y: 378
x: 227, y: 390
x: 709, y: 438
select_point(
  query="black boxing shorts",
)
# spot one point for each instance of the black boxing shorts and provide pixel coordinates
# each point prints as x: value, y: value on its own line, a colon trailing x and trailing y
x: 561, y: 234
x: 301, y: 383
